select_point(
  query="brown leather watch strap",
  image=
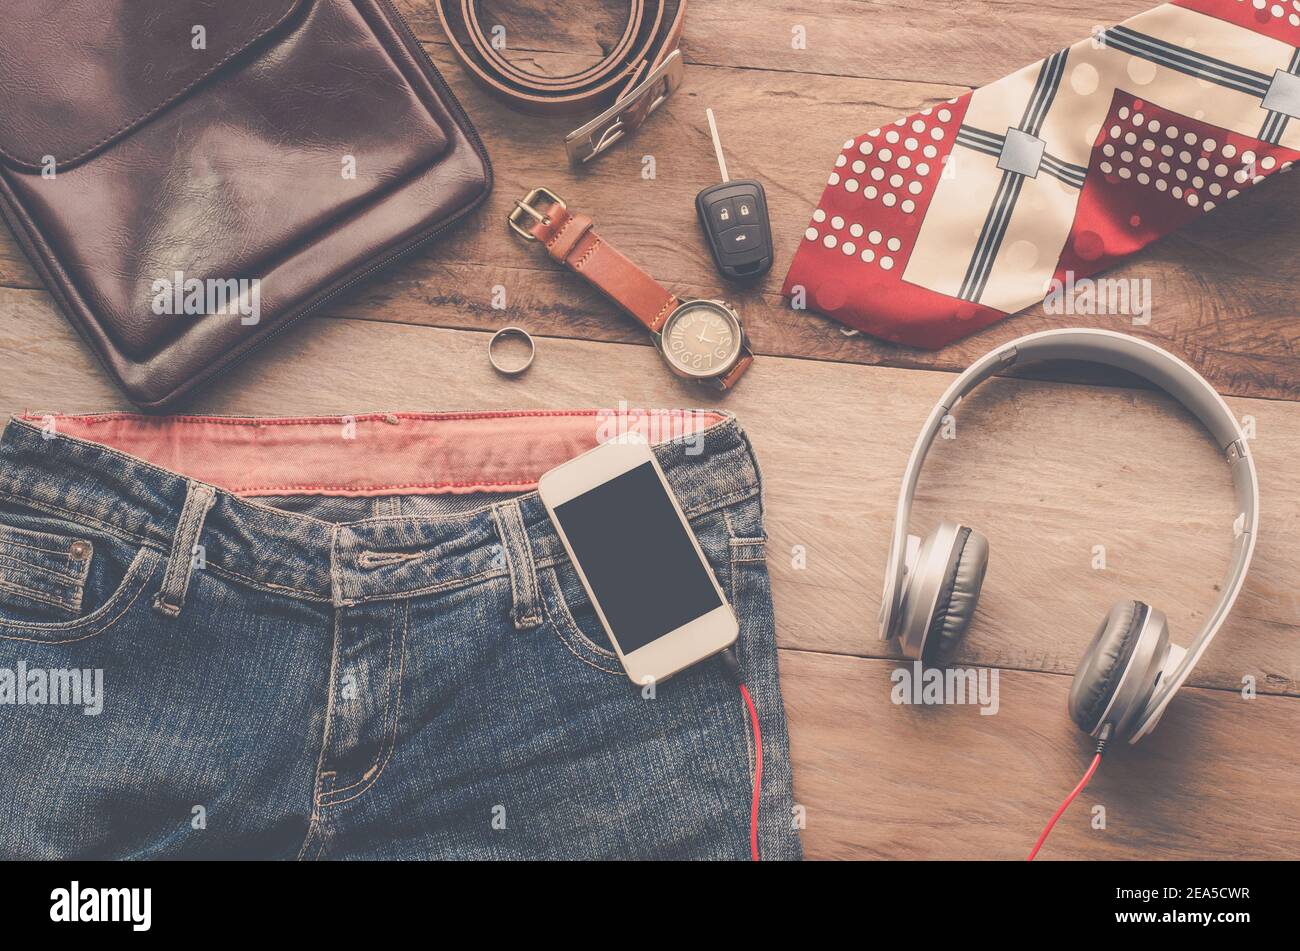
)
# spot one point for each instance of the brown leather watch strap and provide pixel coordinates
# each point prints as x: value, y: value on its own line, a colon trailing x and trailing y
x: 653, y: 31
x: 736, y: 372
x: 571, y: 240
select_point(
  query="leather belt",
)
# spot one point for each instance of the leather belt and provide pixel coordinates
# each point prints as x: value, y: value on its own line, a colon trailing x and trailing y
x: 642, y: 69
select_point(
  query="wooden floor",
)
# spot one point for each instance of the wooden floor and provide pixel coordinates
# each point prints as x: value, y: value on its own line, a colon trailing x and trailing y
x: 1047, y: 467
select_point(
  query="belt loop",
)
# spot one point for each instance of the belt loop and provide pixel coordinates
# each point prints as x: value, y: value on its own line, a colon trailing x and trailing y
x: 185, y: 552
x: 526, y: 610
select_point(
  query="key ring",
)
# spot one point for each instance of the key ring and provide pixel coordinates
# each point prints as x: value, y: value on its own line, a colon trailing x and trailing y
x: 511, y: 332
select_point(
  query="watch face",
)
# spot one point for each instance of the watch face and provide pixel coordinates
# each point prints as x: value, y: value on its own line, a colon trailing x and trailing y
x: 702, y: 338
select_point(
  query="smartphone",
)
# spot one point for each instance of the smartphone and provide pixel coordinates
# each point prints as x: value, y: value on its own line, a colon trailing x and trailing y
x: 638, y: 559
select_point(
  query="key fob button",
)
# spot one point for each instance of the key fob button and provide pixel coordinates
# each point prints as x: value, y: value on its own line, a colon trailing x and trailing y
x: 741, y: 239
x: 723, y: 214
x: 734, y: 218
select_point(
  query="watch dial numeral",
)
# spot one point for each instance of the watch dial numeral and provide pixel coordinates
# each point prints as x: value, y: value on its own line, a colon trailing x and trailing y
x: 701, y: 340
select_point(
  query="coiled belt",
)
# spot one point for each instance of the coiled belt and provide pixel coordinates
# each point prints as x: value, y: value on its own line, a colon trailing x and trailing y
x: 641, y: 70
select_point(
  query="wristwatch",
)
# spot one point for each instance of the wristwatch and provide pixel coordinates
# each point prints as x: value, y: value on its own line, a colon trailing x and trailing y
x: 699, y: 339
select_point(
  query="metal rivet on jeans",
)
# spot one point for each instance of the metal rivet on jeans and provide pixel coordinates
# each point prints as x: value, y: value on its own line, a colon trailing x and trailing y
x: 79, y: 551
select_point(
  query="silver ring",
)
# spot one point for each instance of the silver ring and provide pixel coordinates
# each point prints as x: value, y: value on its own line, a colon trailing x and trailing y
x: 511, y: 332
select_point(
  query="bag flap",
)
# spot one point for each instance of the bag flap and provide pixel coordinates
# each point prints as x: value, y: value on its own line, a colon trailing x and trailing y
x: 79, y: 74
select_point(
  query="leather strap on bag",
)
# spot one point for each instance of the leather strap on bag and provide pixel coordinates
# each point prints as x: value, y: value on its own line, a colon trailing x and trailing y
x: 642, y: 68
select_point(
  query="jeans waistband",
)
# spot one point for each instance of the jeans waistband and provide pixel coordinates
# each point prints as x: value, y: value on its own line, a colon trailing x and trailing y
x: 131, y: 475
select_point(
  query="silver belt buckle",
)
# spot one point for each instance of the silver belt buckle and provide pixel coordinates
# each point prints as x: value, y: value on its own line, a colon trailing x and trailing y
x: 625, y: 115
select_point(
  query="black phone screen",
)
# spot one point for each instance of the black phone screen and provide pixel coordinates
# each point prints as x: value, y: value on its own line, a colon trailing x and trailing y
x: 638, y: 557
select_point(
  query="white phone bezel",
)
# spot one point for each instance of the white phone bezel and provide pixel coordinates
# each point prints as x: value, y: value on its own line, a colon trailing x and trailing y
x: 689, y: 644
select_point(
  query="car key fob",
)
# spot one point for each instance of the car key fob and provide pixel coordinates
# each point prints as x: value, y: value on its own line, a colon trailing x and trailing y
x: 734, y: 218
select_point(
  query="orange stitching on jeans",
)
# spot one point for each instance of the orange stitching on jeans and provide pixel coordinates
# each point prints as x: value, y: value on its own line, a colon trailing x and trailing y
x: 502, y: 484
x: 79, y: 517
x: 388, y: 702
x: 327, y: 733
x: 258, y: 421
x: 24, y: 565
x: 384, y: 559
x: 561, y: 617
x: 4, y: 542
x: 269, y: 586
x: 41, y: 596
x: 312, y: 829
x: 141, y: 582
x: 397, y: 717
x: 589, y: 663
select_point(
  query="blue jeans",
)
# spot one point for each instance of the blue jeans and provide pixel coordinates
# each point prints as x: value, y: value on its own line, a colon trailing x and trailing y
x: 339, y: 656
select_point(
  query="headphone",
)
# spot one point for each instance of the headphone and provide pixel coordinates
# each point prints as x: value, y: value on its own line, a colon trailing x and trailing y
x: 1131, y: 669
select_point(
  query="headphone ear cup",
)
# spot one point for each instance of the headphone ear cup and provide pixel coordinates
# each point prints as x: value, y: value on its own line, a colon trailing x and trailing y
x: 959, y: 594
x: 1102, y: 668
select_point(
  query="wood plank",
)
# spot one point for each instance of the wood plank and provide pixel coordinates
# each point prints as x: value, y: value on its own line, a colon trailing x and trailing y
x: 1046, y: 470
x: 878, y: 780
x: 928, y: 40
x: 1223, y: 288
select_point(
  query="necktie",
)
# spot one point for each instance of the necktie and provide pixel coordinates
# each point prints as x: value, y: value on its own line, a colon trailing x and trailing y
x: 953, y: 218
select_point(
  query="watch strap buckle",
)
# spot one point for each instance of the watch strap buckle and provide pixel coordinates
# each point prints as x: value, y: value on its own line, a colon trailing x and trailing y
x: 526, y: 208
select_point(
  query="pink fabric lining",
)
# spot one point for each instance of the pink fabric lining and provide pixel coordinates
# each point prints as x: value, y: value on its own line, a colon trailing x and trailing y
x: 376, y: 453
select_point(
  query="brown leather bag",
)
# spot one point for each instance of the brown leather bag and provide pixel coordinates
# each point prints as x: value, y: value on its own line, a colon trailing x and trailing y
x: 189, y: 177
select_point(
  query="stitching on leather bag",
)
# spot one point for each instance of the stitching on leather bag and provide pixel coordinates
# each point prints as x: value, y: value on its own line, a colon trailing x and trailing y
x: 293, y: 8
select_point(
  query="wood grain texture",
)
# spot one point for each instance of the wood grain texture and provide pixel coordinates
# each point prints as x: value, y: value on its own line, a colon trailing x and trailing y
x: 1048, y: 470
x: 1223, y: 289
x: 966, y: 43
x: 879, y: 780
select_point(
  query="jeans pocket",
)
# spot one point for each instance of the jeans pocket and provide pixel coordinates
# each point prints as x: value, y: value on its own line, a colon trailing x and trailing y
x: 42, y: 574
x: 572, y: 618
x: 62, y: 582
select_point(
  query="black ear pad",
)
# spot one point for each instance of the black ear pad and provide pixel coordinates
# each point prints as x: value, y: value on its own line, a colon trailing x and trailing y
x: 959, y: 595
x: 1103, y: 665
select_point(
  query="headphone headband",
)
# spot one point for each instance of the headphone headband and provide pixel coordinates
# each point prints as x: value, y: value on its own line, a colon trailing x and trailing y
x: 1158, y: 367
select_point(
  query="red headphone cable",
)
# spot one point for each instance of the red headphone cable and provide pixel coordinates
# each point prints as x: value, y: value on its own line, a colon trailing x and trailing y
x: 732, y: 664
x: 1087, y: 777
